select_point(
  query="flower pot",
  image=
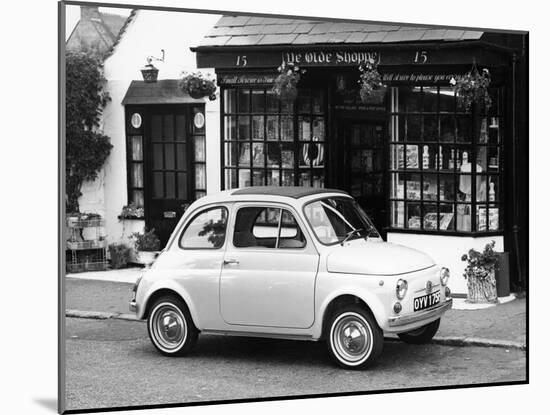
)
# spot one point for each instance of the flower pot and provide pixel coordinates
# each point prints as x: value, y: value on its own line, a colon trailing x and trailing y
x: 482, y: 289
x: 146, y: 257
x: 195, y: 93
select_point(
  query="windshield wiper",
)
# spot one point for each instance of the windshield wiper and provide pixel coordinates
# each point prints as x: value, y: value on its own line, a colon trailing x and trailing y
x: 350, y: 234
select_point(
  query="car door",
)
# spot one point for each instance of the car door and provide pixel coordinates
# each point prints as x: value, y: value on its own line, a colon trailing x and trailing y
x: 269, y: 269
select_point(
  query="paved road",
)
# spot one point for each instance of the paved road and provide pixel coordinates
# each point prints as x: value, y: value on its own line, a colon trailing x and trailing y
x: 112, y: 363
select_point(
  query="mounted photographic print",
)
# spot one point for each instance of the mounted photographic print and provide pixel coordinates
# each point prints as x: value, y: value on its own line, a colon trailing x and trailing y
x: 269, y: 207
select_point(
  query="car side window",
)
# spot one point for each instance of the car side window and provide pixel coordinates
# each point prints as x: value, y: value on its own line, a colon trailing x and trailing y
x: 265, y: 227
x: 206, y: 230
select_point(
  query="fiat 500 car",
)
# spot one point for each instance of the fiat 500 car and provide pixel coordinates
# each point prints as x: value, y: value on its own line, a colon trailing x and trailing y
x: 291, y: 263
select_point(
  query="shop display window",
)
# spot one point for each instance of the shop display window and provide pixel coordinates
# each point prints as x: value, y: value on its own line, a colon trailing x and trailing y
x: 445, y: 164
x: 273, y: 143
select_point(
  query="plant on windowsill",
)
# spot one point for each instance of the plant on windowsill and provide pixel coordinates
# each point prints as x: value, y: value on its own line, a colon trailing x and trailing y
x: 198, y: 85
x: 285, y: 85
x: 131, y: 211
x: 147, y: 245
x: 473, y: 88
x: 480, y: 274
x: 371, y: 87
x: 120, y: 255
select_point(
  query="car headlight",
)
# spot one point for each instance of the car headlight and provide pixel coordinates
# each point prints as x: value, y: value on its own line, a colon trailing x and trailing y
x: 401, y: 288
x: 444, y: 276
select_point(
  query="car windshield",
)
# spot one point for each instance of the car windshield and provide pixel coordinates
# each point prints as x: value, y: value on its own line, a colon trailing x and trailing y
x: 335, y: 219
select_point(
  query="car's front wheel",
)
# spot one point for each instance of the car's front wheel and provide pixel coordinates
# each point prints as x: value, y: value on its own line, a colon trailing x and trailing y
x: 354, y: 339
x: 421, y: 335
x: 170, y: 327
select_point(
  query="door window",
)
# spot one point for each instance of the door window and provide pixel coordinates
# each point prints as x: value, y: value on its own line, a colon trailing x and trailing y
x: 206, y: 230
x: 267, y: 227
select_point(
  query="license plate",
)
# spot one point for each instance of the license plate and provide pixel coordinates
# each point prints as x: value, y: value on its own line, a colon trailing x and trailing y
x: 426, y: 301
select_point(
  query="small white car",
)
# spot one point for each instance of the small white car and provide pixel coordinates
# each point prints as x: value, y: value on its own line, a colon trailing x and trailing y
x: 292, y: 263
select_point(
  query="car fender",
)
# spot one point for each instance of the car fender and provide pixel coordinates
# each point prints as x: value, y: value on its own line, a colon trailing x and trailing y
x: 373, y: 299
x: 173, y: 286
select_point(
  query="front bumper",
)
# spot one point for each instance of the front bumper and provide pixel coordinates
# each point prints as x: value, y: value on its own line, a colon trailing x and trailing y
x: 133, y: 306
x: 432, y: 313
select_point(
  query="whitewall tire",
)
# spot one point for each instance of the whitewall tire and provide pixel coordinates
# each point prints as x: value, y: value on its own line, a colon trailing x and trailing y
x: 170, y: 327
x: 354, y: 339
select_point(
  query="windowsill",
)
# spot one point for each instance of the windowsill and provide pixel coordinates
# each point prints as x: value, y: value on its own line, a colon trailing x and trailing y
x: 130, y: 217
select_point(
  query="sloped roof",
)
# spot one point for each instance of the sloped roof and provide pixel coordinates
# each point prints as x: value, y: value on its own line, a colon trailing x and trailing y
x: 257, y: 31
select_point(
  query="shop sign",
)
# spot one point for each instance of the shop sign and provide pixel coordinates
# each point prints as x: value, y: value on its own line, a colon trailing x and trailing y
x: 245, y: 79
x: 330, y: 57
x: 419, y: 77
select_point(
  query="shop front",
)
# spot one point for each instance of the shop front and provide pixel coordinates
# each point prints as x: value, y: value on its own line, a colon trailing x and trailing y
x: 431, y: 174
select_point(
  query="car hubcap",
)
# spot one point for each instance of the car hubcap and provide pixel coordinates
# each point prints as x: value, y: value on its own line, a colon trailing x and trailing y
x: 169, y: 327
x: 352, y: 337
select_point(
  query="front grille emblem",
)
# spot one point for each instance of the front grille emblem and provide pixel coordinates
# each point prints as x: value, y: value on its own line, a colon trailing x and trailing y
x: 429, y: 287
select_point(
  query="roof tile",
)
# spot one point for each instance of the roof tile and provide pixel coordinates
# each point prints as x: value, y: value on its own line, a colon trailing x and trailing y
x: 321, y: 28
x: 375, y: 37
x: 404, y: 35
x: 244, y: 40
x: 304, y: 27
x: 337, y: 37
x: 471, y: 35
x: 215, y: 41
x: 305, y: 39
x: 432, y: 34
x: 278, y: 29
x: 453, y: 34
x: 232, y: 21
x: 356, y: 37
x: 278, y: 20
x: 277, y: 39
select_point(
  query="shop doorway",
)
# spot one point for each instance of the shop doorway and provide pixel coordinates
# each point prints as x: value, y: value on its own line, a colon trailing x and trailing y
x: 364, y: 165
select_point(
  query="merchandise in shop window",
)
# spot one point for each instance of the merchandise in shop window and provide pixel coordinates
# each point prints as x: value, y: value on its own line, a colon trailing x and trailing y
x: 491, y: 192
x: 287, y: 158
x: 244, y: 178
x: 273, y: 178
x: 414, y: 222
x: 412, y: 157
x: 413, y: 189
x: 440, y: 158
x: 426, y: 158
x: 452, y: 160
x: 244, y: 157
x: 493, y: 219
x: 464, y: 218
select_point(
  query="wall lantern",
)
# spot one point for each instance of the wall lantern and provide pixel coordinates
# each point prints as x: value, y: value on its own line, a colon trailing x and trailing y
x: 150, y: 72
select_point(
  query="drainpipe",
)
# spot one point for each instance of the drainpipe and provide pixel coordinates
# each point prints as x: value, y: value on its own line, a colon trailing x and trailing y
x: 515, y: 226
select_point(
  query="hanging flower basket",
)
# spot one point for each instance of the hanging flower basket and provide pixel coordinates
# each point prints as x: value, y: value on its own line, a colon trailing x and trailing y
x: 480, y: 274
x: 285, y: 85
x: 473, y: 88
x: 150, y: 73
x: 198, y: 86
x: 372, y: 90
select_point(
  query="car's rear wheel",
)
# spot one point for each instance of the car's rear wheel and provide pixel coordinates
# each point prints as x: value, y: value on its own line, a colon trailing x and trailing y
x: 170, y: 327
x: 421, y: 335
x: 354, y: 339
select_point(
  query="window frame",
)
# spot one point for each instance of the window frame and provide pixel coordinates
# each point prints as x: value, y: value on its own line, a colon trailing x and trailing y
x: 281, y: 208
x: 398, y: 204
x: 193, y: 217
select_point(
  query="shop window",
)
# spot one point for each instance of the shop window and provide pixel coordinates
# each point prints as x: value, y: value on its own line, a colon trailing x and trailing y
x: 445, y: 165
x: 273, y: 143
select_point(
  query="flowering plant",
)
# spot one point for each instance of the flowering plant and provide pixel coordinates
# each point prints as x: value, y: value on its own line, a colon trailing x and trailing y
x: 480, y: 263
x: 146, y: 241
x: 369, y: 80
x: 472, y: 87
x: 285, y: 85
x: 132, y: 211
x: 198, y: 85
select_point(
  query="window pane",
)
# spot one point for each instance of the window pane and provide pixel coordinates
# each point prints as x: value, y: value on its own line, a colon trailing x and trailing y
x: 200, y: 148
x: 413, y: 215
x: 290, y: 235
x: 430, y: 216
x: 447, y: 187
x: 287, y: 128
x: 258, y: 101
x: 231, y: 154
x: 182, y: 186
x: 463, y: 130
x: 272, y: 102
x: 258, y: 154
x: 273, y: 155
x: 447, y: 125
x: 137, y: 175
x: 180, y: 127
x: 464, y: 218
x: 156, y: 127
x: 287, y: 156
x: 231, y: 179
x: 304, y: 101
x: 318, y: 179
x: 413, y: 186
x: 137, y: 197
x: 181, y: 159
x: 200, y: 176
x: 397, y: 214
x: 244, y: 178
x: 319, y: 128
x: 304, y: 128
x: 304, y: 178
x: 446, y: 217
x: 244, y: 127
x: 494, y: 218
x: 207, y: 230
x: 412, y: 128
x: 158, y: 185
x: 481, y: 218
x: 169, y: 156
x: 288, y: 178
x: 244, y: 154
x: 410, y: 99
x: 397, y: 156
x: 168, y: 121
x: 230, y: 101
x: 273, y: 178
x: 244, y: 100
x: 256, y: 227
x: 231, y: 128
x: 272, y: 127
x: 429, y: 190
x: 258, y: 127
x: 431, y: 128
x: 446, y: 99
x: 137, y: 148
x: 318, y: 103
x: 157, y: 156
x: 170, y: 183
x: 430, y: 99
x: 258, y: 178
x: 397, y: 186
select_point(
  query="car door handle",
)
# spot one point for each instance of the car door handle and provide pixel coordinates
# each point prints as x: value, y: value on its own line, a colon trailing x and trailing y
x: 230, y: 262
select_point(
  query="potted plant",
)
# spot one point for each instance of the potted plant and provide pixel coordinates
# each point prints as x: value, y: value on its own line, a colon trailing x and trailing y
x: 480, y: 274
x: 370, y: 82
x: 131, y: 211
x: 473, y: 88
x: 150, y: 72
x: 198, y: 85
x: 285, y: 85
x: 147, y: 245
x: 119, y: 254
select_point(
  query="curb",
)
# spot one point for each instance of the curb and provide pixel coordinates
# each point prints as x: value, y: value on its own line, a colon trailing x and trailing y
x: 445, y: 341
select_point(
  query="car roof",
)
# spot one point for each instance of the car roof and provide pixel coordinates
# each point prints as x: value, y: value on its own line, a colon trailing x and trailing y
x: 295, y: 192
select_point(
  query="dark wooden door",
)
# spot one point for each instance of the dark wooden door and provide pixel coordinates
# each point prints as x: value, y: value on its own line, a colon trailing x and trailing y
x: 168, y: 168
x: 363, y: 172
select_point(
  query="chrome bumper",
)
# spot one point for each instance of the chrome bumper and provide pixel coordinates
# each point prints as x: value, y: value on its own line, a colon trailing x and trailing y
x: 421, y: 315
x: 133, y: 306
